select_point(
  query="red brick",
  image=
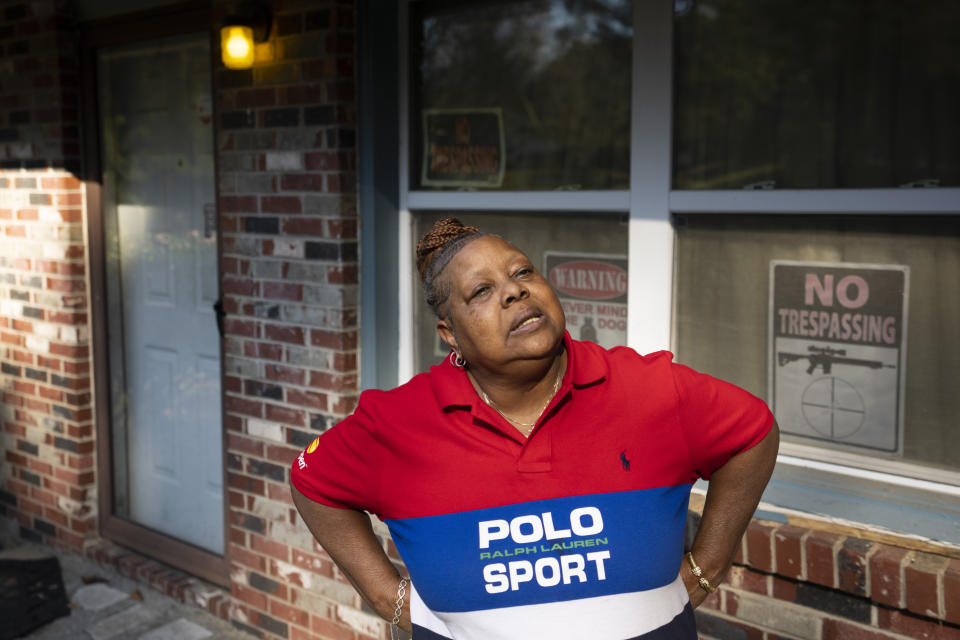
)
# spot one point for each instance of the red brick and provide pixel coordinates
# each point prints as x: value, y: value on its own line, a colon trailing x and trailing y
x: 232, y: 384
x: 834, y: 629
x: 280, y: 493
x: 303, y: 93
x: 303, y: 226
x: 241, y: 482
x: 282, y: 455
x: 256, y: 98
x: 951, y: 592
x: 785, y: 590
x: 55, y: 516
x: 248, y: 558
x: 294, y: 417
x: 342, y: 340
x: 244, y: 406
x: 236, y: 500
x: 51, y: 394
x: 270, y: 547
x: 852, y: 566
x: 63, y: 182
x: 753, y: 581
x: 30, y: 507
x: 239, y: 286
x: 302, y: 182
x: 69, y: 199
x: 11, y: 338
x: 72, y: 540
x: 281, y: 204
x: 248, y: 595
x: 238, y: 204
x: 344, y: 361
x: 238, y: 536
x: 282, y: 291
x: 322, y: 161
x: 281, y: 333
x: 297, y: 633
x: 920, y: 577
x: 821, y: 557
x: 885, y: 572
x: 237, y: 442
x: 348, y: 274
x: 307, y: 399
x: 915, y: 627
x: 289, y: 614
x: 330, y: 630
x: 26, y: 388
x: 333, y: 382
x: 245, y: 328
x: 335, y: 183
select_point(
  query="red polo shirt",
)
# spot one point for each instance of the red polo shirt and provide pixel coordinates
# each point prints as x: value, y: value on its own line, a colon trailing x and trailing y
x: 473, y: 505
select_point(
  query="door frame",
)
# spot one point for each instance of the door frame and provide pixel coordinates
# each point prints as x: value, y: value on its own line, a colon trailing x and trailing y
x: 171, y: 20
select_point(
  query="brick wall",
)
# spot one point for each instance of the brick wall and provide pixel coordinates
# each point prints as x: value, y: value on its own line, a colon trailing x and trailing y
x: 47, y: 475
x: 286, y: 155
x: 796, y: 582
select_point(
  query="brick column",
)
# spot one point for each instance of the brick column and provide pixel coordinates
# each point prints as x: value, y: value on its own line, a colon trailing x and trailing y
x: 286, y: 155
x: 47, y: 478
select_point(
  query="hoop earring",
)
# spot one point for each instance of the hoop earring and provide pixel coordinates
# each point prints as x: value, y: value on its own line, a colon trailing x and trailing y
x: 457, y: 360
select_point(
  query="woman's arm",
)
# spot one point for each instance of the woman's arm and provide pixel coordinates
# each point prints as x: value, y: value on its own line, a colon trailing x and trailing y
x: 732, y: 497
x: 348, y: 537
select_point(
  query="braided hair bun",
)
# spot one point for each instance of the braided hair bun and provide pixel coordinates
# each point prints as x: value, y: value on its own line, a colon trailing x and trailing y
x: 440, y: 235
x: 435, y: 250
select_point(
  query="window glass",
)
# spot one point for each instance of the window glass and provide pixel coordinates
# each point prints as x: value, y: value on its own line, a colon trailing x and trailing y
x: 845, y: 325
x: 583, y: 255
x: 816, y: 94
x: 521, y: 95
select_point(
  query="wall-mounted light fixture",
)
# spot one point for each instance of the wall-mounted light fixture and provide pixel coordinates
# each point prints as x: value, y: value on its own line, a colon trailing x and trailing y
x: 247, y: 24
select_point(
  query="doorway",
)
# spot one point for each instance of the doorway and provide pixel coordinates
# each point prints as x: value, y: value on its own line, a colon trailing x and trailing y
x: 161, y: 285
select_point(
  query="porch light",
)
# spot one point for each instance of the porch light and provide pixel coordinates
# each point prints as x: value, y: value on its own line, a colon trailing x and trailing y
x: 248, y: 24
x: 236, y: 46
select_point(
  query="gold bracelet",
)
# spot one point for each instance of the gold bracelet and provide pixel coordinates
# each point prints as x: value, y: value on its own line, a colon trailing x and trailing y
x: 698, y: 573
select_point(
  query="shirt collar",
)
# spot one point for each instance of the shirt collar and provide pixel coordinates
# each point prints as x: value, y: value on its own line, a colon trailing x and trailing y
x: 586, y: 366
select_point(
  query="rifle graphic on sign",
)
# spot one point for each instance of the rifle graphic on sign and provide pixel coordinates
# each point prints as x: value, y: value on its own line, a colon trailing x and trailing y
x: 826, y: 357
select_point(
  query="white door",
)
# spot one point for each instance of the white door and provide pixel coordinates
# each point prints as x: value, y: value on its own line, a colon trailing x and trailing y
x: 161, y: 248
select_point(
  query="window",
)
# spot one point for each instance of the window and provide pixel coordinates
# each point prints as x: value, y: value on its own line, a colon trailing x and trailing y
x: 725, y: 310
x: 532, y: 98
x: 521, y: 96
x: 816, y: 94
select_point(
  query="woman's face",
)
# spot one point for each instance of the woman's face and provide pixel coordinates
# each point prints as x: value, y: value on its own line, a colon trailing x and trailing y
x: 499, y: 309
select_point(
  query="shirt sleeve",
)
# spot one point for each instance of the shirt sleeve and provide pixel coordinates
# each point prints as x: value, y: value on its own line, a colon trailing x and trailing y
x: 718, y: 419
x: 340, y: 467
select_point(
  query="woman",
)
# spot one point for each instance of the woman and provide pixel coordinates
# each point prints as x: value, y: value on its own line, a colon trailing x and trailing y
x: 535, y: 486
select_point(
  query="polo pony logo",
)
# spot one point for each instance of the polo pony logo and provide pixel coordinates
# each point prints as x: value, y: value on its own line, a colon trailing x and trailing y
x: 624, y: 462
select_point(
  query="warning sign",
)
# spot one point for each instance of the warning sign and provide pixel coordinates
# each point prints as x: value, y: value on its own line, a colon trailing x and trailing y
x: 838, y: 336
x: 593, y: 291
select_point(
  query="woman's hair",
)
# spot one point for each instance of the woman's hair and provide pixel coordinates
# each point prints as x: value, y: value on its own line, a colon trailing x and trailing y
x: 434, y: 252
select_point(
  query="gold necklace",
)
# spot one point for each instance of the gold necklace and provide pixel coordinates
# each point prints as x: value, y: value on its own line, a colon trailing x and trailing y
x: 529, y: 425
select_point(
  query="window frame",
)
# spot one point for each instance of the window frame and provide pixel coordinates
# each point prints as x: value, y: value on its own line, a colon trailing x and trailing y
x: 650, y: 204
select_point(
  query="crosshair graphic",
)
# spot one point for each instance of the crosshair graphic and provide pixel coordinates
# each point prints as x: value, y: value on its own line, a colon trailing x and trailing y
x: 833, y: 407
